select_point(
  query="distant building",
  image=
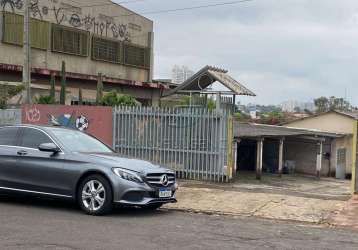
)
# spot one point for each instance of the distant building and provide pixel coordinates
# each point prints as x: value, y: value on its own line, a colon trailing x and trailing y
x: 181, y: 73
x: 294, y: 105
x: 289, y: 106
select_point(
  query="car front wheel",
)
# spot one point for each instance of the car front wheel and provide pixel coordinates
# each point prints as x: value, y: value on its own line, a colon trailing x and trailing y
x: 95, y: 195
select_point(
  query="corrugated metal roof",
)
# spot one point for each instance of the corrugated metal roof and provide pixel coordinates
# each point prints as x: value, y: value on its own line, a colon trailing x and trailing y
x: 242, y: 130
x: 207, y: 76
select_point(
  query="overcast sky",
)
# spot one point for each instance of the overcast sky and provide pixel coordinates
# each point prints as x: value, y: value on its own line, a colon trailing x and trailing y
x: 280, y: 49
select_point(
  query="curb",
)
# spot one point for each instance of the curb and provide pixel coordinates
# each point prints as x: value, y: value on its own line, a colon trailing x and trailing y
x: 322, y: 223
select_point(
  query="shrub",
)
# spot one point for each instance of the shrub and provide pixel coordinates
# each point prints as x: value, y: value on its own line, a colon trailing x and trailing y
x: 45, y: 100
x: 114, y: 99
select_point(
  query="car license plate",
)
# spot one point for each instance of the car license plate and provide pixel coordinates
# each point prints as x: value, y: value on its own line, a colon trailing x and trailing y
x: 165, y: 193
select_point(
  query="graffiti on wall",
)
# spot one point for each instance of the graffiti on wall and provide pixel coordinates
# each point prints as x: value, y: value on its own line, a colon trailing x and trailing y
x: 35, y: 9
x: 66, y: 14
x: 96, y: 121
x: 12, y: 4
x: 33, y: 115
x: 100, y: 25
x: 80, y: 122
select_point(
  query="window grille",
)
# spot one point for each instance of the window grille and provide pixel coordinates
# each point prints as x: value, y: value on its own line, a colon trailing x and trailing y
x: 13, y: 32
x: 69, y: 40
x: 106, y: 50
x: 136, y: 56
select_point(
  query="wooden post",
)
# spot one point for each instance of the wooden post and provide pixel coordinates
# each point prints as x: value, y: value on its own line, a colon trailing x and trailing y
x: 319, y: 159
x: 260, y: 144
x: 280, y: 157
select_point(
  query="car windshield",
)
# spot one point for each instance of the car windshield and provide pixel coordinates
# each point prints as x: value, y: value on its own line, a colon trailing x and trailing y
x: 77, y: 141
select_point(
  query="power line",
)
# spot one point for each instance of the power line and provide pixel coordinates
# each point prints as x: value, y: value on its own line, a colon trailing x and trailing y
x: 169, y: 10
x: 188, y: 8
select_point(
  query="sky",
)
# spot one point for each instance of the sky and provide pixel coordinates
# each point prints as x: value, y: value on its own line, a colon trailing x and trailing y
x: 280, y: 49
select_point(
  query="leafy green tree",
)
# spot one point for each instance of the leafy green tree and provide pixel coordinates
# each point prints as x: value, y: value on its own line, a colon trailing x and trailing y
x: 9, y: 91
x: 126, y: 100
x: 211, y: 104
x: 99, y: 89
x: 324, y: 104
x: 273, y: 118
x: 63, y: 84
x: 45, y: 100
x: 114, y: 99
x: 242, y: 117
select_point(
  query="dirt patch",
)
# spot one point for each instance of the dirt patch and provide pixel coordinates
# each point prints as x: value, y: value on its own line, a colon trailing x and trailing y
x: 299, y: 199
x: 347, y: 216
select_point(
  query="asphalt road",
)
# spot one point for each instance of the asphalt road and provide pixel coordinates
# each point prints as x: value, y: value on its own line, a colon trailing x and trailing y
x: 42, y: 224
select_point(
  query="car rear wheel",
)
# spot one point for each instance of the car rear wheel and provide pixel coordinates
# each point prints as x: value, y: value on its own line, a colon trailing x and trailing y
x: 95, y: 195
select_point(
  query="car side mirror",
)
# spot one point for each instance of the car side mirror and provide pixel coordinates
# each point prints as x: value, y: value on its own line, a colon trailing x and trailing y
x: 49, y: 147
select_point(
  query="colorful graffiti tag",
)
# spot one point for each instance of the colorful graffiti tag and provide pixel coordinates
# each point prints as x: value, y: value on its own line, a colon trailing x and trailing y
x: 96, y: 121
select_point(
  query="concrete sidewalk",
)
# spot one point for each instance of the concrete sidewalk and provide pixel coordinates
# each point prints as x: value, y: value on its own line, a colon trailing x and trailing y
x: 295, y: 198
x: 348, y: 216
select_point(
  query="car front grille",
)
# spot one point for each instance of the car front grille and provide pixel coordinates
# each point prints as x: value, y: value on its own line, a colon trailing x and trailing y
x: 155, y: 179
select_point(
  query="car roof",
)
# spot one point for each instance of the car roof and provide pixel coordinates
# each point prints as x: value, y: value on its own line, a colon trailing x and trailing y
x: 43, y: 127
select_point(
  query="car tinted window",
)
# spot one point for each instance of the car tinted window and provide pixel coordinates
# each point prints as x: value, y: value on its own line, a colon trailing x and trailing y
x: 77, y: 141
x: 8, y: 136
x: 33, y: 138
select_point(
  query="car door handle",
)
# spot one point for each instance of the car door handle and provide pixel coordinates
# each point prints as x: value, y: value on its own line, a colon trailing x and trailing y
x: 22, y: 152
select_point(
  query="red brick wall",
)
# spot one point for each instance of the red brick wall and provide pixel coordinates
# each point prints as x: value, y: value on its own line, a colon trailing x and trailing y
x: 96, y: 121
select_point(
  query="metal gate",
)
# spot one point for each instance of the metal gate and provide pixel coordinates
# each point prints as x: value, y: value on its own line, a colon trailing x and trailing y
x: 191, y: 141
x: 10, y: 116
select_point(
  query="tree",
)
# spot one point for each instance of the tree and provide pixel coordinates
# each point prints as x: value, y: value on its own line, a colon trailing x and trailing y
x: 80, y: 100
x: 45, y: 100
x: 322, y: 104
x: 211, y: 104
x: 9, y: 91
x: 63, y: 84
x: 114, y: 99
x: 99, y: 89
x: 53, y: 87
x: 242, y: 117
x: 273, y: 118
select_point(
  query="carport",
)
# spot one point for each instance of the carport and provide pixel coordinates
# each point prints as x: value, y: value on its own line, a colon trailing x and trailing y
x: 277, y: 149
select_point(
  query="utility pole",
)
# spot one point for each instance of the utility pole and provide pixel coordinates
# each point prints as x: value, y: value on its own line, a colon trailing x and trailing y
x: 26, y: 71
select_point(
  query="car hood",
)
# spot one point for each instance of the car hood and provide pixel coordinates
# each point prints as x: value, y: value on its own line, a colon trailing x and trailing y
x: 115, y: 160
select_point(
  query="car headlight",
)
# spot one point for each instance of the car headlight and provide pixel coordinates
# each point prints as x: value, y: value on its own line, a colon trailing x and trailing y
x: 127, y: 175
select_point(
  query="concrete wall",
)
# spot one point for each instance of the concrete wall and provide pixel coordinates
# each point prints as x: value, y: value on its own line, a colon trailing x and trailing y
x: 109, y: 20
x: 341, y: 143
x: 330, y: 122
x: 304, y: 154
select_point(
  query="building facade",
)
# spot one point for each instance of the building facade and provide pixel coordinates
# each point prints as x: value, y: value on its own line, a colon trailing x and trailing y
x: 91, y: 37
x: 343, y: 150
